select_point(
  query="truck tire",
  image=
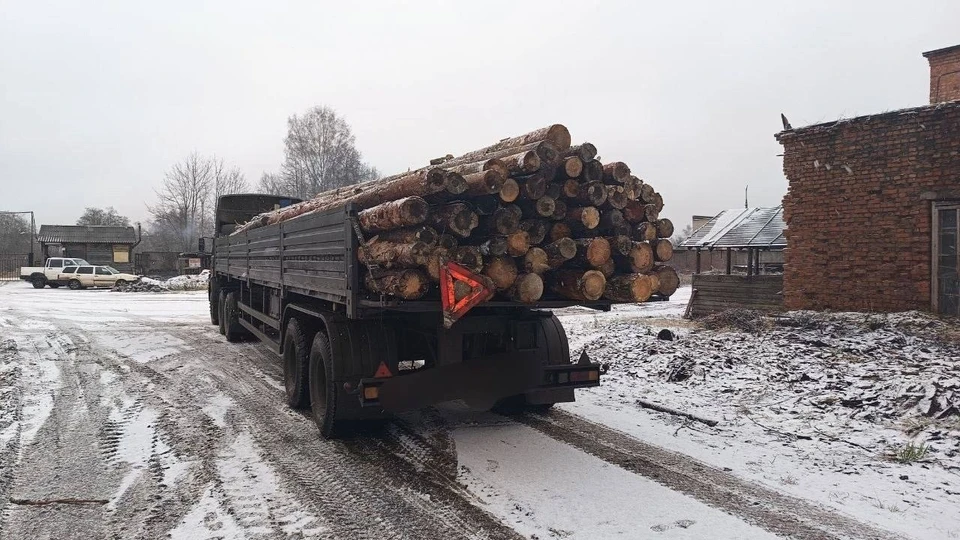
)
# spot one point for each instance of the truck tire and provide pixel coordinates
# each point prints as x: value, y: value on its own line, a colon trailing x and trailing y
x: 231, y: 315
x: 213, y: 298
x: 323, y: 392
x: 296, y: 364
x: 74, y: 285
x: 221, y: 320
x: 39, y: 282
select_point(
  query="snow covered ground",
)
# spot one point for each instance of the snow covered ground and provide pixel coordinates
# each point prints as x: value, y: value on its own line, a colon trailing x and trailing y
x: 128, y: 415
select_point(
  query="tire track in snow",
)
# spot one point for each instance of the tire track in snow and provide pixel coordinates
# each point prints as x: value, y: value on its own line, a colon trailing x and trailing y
x: 771, y: 510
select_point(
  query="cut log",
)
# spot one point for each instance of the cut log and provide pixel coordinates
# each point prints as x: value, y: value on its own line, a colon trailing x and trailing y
x: 457, y: 218
x: 480, y: 166
x: 485, y: 205
x: 664, y: 228
x: 637, y: 260
x: 628, y: 288
x: 658, y: 202
x: 393, y: 215
x: 518, y: 244
x: 586, y: 152
x: 554, y: 190
x: 409, y: 235
x: 543, y: 207
x: 645, y: 232
x: 571, y: 167
x: 591, y: 252
x: 484, y: 183
x: 654, y: 278
x: 493, y: 246
x: 536, y: 229
x: 617, y: 197
x: 522, y: 163
x: 560, y: 251
x: 532, y: 186
x: 392, y: 255
x: 527, y: 289
x: 536, y: 261
x: 620, y: 244
x: 592, y: 171
x: 662, y: 250
x: 615, y: 172
x: 632, y: 186
x: 571, y: 188
x: 407, y: 283
x: 612, y: 219
x: 669, y: 280
x: 502, y: 270
x: 469, y: 257
x: 586, y: 217
x: 591, y: 194
x: 608, y: 269
x: 559, y: 230
x: 647, y: 193
x: 578, y: 285
x: 559, y: 210
x: 556, y: 134
x: 651, y: 214
x: 433, y: 261
x: 545, y: 150
x: 635, y: 212
x: 505, y: 220
x: 510, y: 190
x: 448, y: 242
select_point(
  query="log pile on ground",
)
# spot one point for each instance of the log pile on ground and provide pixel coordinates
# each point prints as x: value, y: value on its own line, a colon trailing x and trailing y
x: 538, y: 217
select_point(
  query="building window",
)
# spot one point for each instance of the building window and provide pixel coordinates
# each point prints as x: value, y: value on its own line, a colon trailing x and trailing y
x: 121, y: 254
x: 946, y: 258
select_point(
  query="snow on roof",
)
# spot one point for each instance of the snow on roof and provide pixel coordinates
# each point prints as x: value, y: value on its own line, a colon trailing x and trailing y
x: 741, y: 228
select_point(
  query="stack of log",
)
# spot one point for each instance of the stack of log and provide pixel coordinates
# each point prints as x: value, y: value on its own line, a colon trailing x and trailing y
x: 538, y: 217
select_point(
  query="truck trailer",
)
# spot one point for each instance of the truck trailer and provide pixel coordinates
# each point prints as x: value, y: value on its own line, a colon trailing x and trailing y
x: 352, y: 356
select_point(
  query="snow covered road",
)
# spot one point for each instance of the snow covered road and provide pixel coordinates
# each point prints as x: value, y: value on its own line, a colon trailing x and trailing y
x: 128, y: 416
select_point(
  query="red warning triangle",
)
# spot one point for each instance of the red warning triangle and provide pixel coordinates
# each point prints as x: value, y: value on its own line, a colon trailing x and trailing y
x: 456, y: 301
x: 382, y: 372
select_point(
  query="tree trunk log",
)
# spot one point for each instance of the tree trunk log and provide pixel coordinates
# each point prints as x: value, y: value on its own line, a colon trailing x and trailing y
x: 620, y: 244
x: 632, y: 187
x: 392, y: 255
x: 628, y: 288
x: 586, y: 217
x: 578, y: 285
x: 493, y: 246
x: 485, y: 205
x: 658, y: 202
x: 484, y: 183
x: 527, y: 289
x: 669, y: 280
x: 638, y: 260
x: 608, y: 269
x: 645, y: 232
x: 559, y: 210
x: 448, y: 242
x: 407, y: 283
x: 617, y: 197
x: 479, y: 166
x: 615, y: 172
x: 469, y: 257
x: 662, y: 250
x: 536, y: 229
x: 543, y: 207
x: 559, y: 230
x: 635, y: 212
x: 592, y: 171
x: 592, y: 194
x: 532, y: 186
x: 502, y: 270
x: 647, y: 193
x: 586, y: 152
x: 560, y: 251
x: 505, y: 220
x: 510, y: 190
x: 554, y: 190
x: 591, y: 252
x: 522, y: 163
x: 457, y: 218
x: 612, y: 219
x: 571, y: 188
x: 651, y: 213
x: 535, y: 261
x: 424, y: 234
x: 664, y: 228
x: 393, y: 215
x: 572, y: 167
x: 518, y: 244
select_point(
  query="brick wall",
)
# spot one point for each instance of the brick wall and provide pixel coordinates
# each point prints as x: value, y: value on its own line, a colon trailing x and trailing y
x: 858, y: 208
x: 944, y: 74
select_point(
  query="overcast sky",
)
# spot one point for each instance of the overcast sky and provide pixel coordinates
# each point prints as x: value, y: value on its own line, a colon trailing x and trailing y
x: 98, y: 99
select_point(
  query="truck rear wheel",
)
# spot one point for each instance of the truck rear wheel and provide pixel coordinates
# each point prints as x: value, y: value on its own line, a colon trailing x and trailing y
x: 323, y: 394
x: 231, y: 315
x: 221, y: 320
x: 213, y: 296
x: 296, y: 364
x: 39, y: 282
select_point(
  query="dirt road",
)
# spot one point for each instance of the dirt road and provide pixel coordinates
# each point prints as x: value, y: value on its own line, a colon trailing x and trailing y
x: 129, y: 416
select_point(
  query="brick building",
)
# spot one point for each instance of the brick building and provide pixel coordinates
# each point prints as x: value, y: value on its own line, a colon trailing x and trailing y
x: 873, y: 205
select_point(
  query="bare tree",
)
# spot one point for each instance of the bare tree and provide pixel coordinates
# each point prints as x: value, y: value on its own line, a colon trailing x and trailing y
x: 320, y: 154
x: 187, y: 199
x: 103, y: 216
x: 15, y: 234
x: 679, y: 236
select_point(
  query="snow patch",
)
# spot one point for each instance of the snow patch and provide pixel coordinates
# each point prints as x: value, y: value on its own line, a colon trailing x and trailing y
x: 142, y: 347
x: 208, y: 519
x: 216, y: 408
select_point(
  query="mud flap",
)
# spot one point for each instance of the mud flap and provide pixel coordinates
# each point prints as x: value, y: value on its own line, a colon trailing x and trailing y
x: 479, y: 382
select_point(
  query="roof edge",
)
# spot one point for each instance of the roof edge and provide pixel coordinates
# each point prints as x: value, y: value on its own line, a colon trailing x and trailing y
x: 944, y: 50
x: 826, y: 126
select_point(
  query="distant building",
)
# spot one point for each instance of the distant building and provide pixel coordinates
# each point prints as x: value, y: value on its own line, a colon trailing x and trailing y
x: 98, y: 244
x: 873, y: 205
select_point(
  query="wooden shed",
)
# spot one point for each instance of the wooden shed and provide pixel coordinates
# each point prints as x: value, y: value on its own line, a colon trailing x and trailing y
x: 759, y: 232
x: 98, y: 244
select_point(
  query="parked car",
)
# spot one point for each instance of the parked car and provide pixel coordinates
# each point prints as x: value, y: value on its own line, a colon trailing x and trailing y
x: 41, y: 276
x: 81, y: 277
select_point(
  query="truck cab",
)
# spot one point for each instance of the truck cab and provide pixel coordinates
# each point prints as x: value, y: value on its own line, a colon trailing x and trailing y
x: 48, y: 274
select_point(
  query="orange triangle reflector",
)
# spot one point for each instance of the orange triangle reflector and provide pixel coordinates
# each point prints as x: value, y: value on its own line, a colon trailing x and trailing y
x: 458, y: 300
x: 382, y: 372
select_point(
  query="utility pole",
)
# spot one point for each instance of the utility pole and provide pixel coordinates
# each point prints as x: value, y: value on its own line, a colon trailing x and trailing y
x: 745, y: 203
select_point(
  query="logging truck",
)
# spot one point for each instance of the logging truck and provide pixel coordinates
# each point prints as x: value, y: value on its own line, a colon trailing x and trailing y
x: 351, y: 355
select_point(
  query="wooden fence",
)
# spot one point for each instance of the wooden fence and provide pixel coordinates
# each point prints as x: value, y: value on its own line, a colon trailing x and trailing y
x: 717, y: 292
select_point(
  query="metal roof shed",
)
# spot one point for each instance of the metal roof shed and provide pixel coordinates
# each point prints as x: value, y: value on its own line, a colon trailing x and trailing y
x: 753, y: 229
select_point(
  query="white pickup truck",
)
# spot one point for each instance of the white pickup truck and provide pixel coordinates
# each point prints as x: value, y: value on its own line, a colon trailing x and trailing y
x: 47, y: 274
